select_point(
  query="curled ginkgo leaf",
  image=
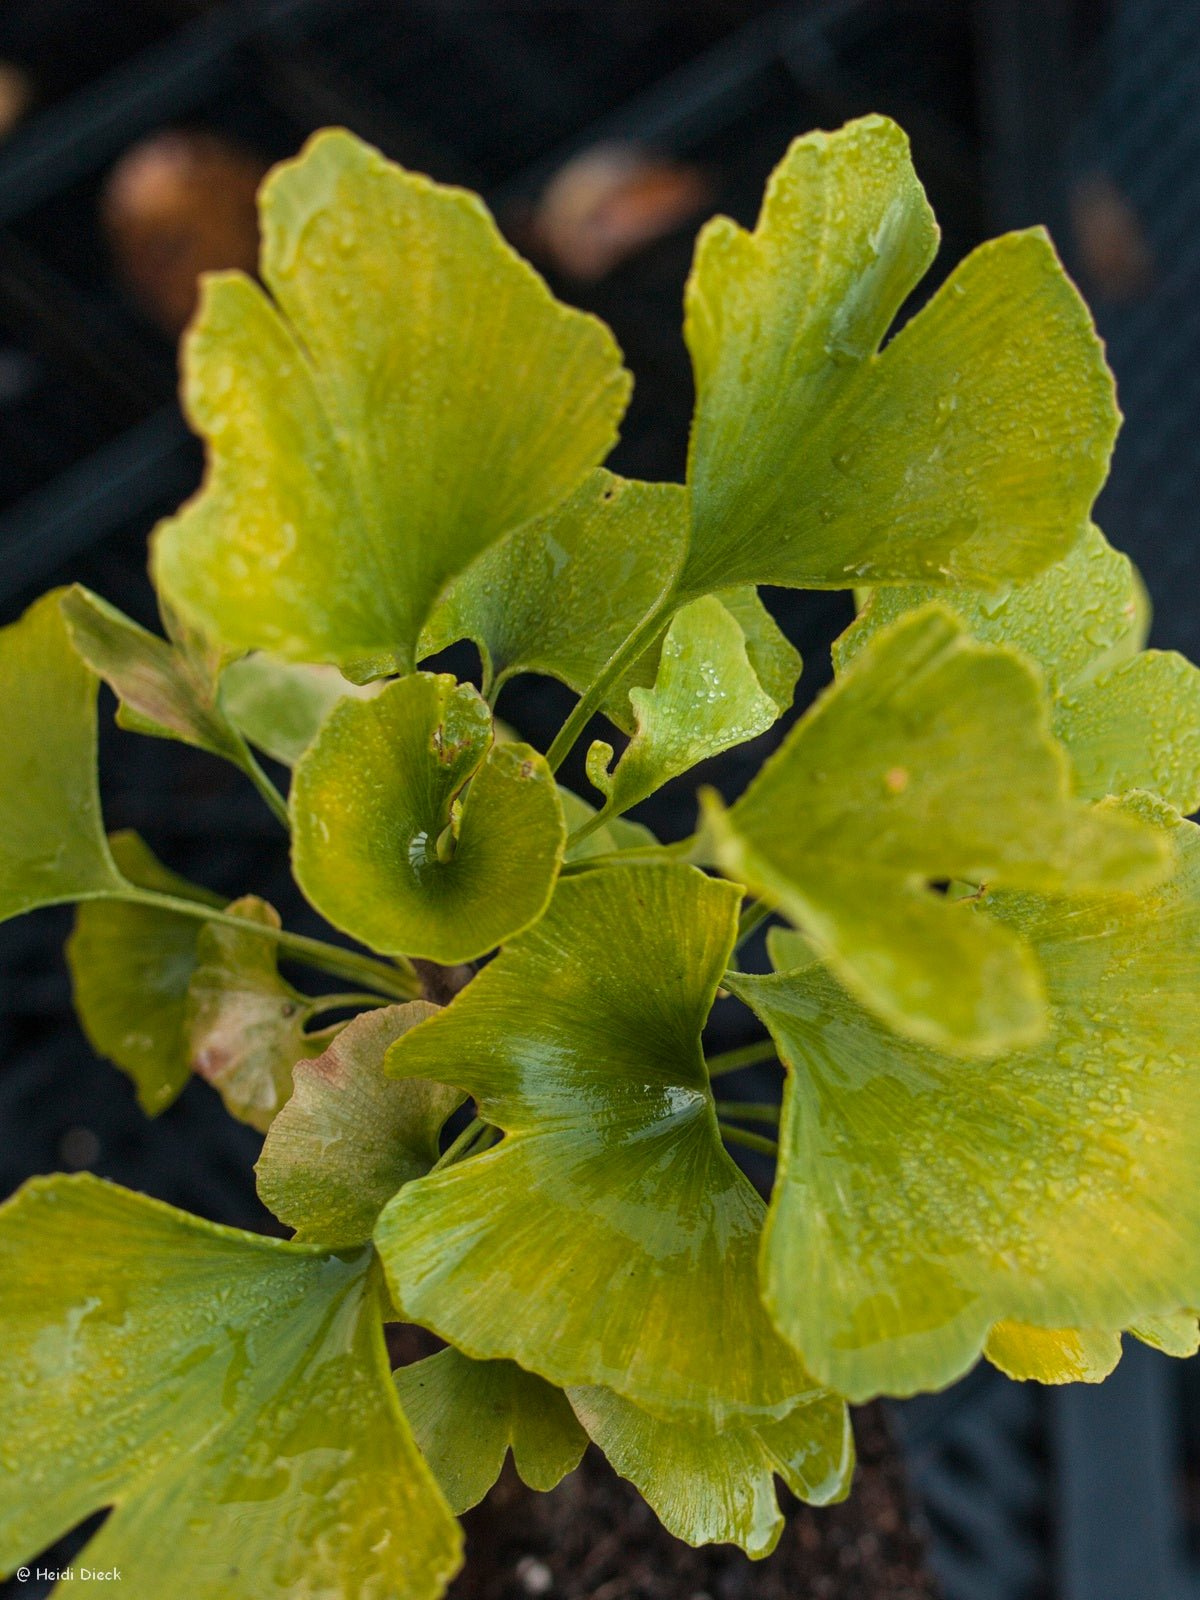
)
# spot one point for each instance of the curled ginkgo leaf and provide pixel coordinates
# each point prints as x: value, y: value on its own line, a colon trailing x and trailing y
x: 385, y: 848
x: 373, y: 420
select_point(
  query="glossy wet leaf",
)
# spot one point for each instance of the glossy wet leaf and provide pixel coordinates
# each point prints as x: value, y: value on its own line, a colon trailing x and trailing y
x: 970, y: 449
x: 706, y: 698
x: 1053, y: 1355
x: 228, y: 1395
x: 130, y: 969
x: 1082, y: 1355
x: 403, y: 393
x: 929, y: 759
x: 609, y: 1238
x: 467, y: 1415
x: 922, y: 1198
x: 279, y: 705
x: 1129, y: 718
x: 167, y: 688
x: 716, y: 1486
x: 52, y: 843
x: 244, y: 1024
x: 562, y: 594
x: 349, y: 1137
x: 376, y: 792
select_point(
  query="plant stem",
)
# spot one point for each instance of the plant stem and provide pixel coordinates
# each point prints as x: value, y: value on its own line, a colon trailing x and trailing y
x: 752, y: 1141
x: 275, y: 801
x: 399, y: 981
x: 345, y: 1002
x: 590, y: 701
x: 645, y: 852
x: 586, y: 829
x: 748, y: 1110
x: 477, y: 1135
x: 755, y: 914
x: 746, y: 1055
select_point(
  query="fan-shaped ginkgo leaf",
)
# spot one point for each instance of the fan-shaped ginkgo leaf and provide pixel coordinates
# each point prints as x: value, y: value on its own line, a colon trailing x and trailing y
x: 562, y: 594
x: 922, y: 1198
x: 706, y: 697
x: 380, y: 844
x: 52, y: 843
x: 228, y: 1395
x: 130, y: 969
x: 1129, y: 718
x: 713, y: 1485
x: 929, y: 759
x: 374, y: 420
x: 466, y: 1415
x: 349, y: 1137
x: 966, y: 450
x: 608, y: 1239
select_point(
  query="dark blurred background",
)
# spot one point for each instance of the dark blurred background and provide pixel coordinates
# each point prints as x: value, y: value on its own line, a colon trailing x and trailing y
x: 602, y: 132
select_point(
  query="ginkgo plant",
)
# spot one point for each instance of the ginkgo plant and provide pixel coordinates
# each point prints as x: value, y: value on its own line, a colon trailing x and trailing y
x: 985, y: 897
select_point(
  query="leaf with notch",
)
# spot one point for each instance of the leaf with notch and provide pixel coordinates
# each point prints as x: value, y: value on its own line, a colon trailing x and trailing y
x: 562, y: 594
x: 403, y: 393
x: 52, y: 842
x: 1128, y: 717
x: 379, y: 789
x: 970, y: 449
x: 467, y: 1415
x: 929, y: 759
x: 1082, y: 1355
x: 713, y: 1485
x: 921, y: 1198
x: 706, y: 697
x: 228, y: 1395
x: 130, y: 969
x: 349, y: 1137
x: 611, y: 1201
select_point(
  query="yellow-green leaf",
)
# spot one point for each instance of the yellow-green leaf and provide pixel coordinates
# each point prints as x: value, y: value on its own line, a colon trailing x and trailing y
x: 970, y: 449
x: 165, y: 688
x: 921, y: 1198
x: 228, y: 1395
x: 713, y: 1485
x: 467, y: 1415
x: 1129, y: 718
x: 244, y: 1024
x: 1052, y: 1355
x: 562, y: 594
x: 279, y: 705
x: 930, y: 759
x: 706, y: 697
x: 403, y: 393
x: 609, y: 1238
x: 349, y: 1137
x: 52, y: 843
x: 384, y: 849
x: 130, y: 969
